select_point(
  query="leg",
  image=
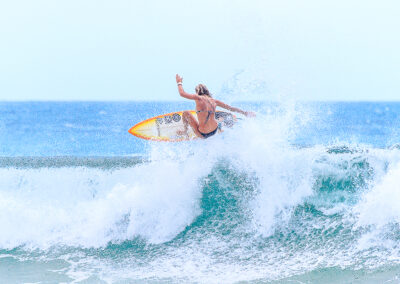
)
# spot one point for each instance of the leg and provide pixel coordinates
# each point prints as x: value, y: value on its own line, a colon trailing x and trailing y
x: 189, y: 119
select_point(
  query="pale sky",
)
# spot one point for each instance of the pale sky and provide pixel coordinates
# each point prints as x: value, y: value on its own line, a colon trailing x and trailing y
x: 247, y: 49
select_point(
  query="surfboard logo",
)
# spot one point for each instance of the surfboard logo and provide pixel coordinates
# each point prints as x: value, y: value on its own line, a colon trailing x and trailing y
x: 168, y: 119
x: 176, y: 117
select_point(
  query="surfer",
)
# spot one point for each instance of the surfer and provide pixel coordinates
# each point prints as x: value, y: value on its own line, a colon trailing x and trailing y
x: 207, y: 125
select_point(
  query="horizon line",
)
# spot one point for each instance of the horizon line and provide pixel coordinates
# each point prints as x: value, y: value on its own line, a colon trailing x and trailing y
x: 176, y: 101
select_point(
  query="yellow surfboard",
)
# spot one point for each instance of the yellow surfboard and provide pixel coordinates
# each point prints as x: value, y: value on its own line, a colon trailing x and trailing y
x: 164, y: 127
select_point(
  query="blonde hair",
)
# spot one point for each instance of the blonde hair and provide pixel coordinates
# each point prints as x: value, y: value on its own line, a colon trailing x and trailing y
x: 202, y: 90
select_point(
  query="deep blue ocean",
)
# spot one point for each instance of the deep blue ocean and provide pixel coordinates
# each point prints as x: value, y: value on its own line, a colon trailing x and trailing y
x: 303, y: 193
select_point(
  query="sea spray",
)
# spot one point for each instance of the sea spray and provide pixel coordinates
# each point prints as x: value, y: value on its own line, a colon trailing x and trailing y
x: 261, y: 201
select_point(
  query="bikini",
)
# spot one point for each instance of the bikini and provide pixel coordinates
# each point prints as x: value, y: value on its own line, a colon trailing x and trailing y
x: 209, y: 134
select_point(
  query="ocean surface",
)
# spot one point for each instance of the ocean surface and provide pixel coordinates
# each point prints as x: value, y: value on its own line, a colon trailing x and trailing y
x: 303, y: 193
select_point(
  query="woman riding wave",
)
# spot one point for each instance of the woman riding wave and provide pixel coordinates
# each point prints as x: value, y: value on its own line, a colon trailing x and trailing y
x: 205, y: 108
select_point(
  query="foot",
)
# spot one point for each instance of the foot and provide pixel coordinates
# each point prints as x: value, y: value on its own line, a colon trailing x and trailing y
x: 182, y: 133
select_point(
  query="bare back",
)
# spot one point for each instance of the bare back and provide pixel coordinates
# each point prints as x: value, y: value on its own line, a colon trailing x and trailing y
x: 205, y: 108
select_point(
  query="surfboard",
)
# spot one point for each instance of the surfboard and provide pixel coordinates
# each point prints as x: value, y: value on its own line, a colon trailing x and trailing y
x: 164, y: 127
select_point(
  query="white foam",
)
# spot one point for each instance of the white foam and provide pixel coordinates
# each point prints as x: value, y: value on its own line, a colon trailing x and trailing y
x: 90, y: 207
x: 380, y: 205
x: 261, y: 147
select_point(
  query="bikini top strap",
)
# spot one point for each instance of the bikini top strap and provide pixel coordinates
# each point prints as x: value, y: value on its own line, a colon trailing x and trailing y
x: 208, y: 116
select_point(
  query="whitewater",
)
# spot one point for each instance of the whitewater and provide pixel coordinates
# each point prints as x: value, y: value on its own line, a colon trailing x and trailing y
x: 304, y: 192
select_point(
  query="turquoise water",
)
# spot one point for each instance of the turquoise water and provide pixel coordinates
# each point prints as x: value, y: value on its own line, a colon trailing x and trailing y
x: 304, y: 193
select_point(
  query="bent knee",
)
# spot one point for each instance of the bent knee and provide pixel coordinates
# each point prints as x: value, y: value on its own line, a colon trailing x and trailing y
x: 187, y: 115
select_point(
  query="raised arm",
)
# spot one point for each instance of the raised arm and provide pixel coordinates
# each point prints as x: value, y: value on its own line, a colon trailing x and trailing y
x: 182, y: 92
x: 235, y: 109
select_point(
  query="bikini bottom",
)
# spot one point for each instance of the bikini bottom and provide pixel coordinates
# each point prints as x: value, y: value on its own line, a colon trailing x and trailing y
x: 209, y: 134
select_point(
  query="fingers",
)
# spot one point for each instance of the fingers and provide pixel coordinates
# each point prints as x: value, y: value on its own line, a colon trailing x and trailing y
x: 178, y: 78
x: 250, y: 114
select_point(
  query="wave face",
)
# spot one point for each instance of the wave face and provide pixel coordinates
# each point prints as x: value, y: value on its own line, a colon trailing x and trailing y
x: 248, y: 205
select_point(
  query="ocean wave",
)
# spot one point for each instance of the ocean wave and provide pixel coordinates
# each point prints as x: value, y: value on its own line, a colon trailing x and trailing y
x: 117, y: 199
x: 248, y: 201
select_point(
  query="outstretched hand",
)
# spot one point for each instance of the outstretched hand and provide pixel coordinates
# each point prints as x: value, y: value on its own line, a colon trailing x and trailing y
x: 178, y: 79
x: 250, y: 114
